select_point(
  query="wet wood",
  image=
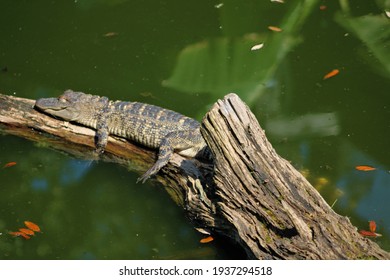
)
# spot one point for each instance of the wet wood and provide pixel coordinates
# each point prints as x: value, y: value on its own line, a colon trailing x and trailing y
x: 250, y: 195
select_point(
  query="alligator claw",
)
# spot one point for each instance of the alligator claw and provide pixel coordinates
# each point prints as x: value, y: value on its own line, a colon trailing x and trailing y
x: 153, y: 170
x: 142, y: 179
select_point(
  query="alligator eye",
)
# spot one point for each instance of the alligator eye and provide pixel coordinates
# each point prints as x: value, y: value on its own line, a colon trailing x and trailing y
x: 62, y: 99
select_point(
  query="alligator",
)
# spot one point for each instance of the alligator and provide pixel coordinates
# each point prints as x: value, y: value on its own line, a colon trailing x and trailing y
x: 148, y: 125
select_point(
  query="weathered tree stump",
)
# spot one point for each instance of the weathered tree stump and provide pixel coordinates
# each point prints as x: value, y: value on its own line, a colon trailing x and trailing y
x: 250, y: 194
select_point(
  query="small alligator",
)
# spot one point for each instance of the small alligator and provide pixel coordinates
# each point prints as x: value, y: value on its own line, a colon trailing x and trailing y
x: 145, y: 124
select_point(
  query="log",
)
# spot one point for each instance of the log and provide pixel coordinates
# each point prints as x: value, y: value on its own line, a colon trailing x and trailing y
x: 249, y: 194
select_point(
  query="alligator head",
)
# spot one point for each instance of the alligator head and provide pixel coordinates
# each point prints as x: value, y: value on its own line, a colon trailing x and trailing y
x: 70, y: 106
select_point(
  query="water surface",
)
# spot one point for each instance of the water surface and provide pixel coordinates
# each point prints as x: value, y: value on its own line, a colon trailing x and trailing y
x: 184, y: 57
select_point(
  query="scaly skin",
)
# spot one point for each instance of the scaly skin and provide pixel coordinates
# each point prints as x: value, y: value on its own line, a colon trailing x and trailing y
x: 148, y: 125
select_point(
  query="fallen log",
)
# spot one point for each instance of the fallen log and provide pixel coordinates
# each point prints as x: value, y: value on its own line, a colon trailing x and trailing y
x: 250, y: 194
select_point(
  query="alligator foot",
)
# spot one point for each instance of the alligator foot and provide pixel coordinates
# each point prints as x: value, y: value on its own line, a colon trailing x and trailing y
x: 154, y: 169
x: 164, y: 154
x: 149, y: 173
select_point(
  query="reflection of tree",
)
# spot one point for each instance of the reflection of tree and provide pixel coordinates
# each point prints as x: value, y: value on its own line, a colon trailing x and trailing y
x: 228, y: 65
x: 374, y: 32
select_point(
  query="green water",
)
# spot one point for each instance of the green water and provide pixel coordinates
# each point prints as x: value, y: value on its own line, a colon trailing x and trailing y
x: 184, y: 56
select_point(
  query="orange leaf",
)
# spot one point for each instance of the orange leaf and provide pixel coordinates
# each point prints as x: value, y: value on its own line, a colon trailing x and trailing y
x: 9, y: 164
x: 364, y: 168
x: 331, y: 74
x: 18, y: 233
x: 25, y: 236
x: 26, y: 231
x: 32, y: 226
x: 206, y: 239
x: 372, y: 226
x: 367, y: 233
x: 274, y: 28
x: 323, y: 7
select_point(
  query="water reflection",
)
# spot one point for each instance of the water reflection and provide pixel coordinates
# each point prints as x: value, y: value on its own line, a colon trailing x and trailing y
x: 365, y: 192
x: 74, y: 170
x: 310, y: 125
x: 39, y: 184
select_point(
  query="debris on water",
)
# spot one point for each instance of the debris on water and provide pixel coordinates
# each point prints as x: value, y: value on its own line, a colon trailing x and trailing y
x: 372, y: 226
x: 24, y: 232
x: 27, y: 231
x: 18, y: 233
x: 257, y: 47
x: 207, y: 239
x: 202, y: 230
x: 110, y: 34
x: 365, y: 168
x: 220, y: 5
x: 9, y: 164
x: 274, y: 28
x: 32, y: 226
x: 331, y: 74
x: 371, y: 233
x: 367, y: 233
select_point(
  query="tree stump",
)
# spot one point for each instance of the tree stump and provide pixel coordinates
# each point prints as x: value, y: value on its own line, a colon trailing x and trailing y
x: 249, y: 194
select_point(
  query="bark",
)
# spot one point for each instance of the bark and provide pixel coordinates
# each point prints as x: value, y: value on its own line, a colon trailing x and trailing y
x: 250, y: 194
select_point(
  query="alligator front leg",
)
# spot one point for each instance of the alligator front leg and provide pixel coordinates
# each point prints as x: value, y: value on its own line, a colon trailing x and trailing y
x: 101, y: 137
x: 102, y: 127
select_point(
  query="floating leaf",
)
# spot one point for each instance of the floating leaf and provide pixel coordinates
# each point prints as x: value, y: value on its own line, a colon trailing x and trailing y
x: 257, y: 47
x: 9, y: 164
x: 207, y: 239
x: 25, y: 236
x: 18, y: 233
x: 32, y: 226
x: 367, y: 233
x: 372, y: 226
x: 372, y: 232
x: 26, y: 231
x: 365, y: 168
x: 331, y: 74
x: 110, y: 34
x: 274, y: 28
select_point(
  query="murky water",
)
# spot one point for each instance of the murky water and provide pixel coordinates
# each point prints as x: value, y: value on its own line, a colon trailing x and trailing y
x: 184, y: 57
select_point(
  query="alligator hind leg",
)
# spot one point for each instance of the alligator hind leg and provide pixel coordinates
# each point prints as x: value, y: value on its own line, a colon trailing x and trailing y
x: 177, y: 141
x: 164, y: 155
